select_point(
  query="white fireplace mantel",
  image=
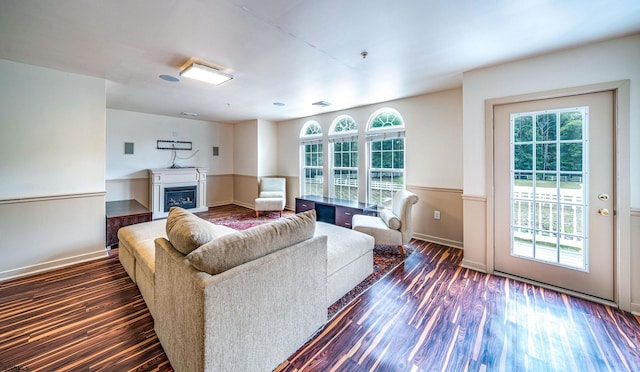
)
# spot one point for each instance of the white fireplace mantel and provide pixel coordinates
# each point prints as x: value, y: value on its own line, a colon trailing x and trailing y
x: 176, y: 177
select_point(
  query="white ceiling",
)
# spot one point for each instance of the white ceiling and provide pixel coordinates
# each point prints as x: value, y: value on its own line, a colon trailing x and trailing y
x: 293, y: 51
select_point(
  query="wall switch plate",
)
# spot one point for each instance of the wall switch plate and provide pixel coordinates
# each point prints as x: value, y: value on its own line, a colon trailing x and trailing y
x: 436, y: 215
x: 216, y: 151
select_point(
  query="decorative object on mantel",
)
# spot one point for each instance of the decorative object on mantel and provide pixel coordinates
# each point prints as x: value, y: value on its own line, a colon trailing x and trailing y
x: 174, y: 145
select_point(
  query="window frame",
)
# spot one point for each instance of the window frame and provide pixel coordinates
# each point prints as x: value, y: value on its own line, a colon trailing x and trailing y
x: 308, y: 138
x: 385, y: 133
x: 343, y: 136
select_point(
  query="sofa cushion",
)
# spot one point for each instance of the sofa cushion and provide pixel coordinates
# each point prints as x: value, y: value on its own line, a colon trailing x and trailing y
x: 235, y: 249
x: 390, y: 219
x: 187, y: 231
x: 343, y: 245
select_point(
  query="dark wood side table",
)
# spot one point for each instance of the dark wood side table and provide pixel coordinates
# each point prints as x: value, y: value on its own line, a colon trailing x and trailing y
x: 122, y: 213
x: 335, y: 211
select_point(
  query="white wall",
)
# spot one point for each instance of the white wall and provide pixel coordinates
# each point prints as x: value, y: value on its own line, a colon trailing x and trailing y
x: 145, y: 129
x: 433, y: 137
x: 245, y: 139
x: 53, y: 132
x: 267, y: 148
x: 52, y: 162
x: 597, y: 63
x: 603, y: 62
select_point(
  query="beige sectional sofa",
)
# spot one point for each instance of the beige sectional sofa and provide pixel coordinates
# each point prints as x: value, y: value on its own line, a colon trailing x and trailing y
x: 224, y: 299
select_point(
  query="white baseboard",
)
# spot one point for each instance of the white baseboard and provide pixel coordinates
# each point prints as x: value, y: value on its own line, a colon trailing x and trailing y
x: 246, y: 205
x: 50, y: 265
x: 635, y: 308
x: 220, y: 203
x: 437, y: 240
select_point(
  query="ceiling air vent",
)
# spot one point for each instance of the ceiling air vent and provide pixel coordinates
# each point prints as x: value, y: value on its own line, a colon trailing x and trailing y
x: 322, y: 103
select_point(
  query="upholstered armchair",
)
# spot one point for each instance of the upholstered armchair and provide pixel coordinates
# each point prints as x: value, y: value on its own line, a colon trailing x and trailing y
x: 272, y: 195
x: 393, y: 226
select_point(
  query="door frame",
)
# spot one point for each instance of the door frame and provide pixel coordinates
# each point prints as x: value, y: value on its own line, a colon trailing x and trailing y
x: 622, y: 179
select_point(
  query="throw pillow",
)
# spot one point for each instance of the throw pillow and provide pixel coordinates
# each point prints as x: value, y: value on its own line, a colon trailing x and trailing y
x: 187, y: 231
x: 235, y: 249
x: 390, y: 219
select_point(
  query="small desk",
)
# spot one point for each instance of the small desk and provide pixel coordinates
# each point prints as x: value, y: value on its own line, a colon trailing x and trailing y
x: 122, y: 213
x: 335, y: 211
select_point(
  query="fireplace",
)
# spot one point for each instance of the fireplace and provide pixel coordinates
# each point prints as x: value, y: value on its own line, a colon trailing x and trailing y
x: 183, y: 197
x: 183, y: 187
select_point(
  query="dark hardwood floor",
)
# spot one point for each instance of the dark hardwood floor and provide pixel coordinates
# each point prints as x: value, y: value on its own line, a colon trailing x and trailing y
x: 428, y: 314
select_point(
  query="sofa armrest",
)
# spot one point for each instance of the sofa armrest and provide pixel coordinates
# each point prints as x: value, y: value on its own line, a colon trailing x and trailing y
x: 251, y: 317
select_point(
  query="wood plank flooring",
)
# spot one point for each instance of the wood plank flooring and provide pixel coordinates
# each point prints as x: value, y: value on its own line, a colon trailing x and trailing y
x: 428, y: 314
x: 431, y: 314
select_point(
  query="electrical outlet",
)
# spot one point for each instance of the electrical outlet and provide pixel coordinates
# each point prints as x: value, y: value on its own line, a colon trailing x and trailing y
x: 436, y: 215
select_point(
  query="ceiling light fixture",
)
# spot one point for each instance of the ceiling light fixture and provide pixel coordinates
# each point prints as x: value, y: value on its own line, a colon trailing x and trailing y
x: 205, y: 73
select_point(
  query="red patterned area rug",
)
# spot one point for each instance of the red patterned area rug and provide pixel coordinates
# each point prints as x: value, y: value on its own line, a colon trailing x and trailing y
x: 385, y: 258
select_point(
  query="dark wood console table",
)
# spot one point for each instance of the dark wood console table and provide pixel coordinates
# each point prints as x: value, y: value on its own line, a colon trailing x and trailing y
x: 335, y: 211
x: 122, y: 213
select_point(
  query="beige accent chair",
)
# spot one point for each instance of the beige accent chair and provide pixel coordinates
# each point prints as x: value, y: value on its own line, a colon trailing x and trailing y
x: 272, y: 196
x: 393, y: 226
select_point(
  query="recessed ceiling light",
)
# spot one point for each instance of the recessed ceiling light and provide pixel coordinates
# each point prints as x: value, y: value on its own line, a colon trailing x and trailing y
x: 322, y: 103
x: 169, y: 78
x: 184, y: 113
x: 279, y: 104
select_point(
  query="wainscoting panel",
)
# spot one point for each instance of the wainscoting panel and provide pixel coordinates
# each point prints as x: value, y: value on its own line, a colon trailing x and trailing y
x: 293, y: 191
x: 245, y: 190
x: 635, y: 260
x: 448, y: 229
x: 475, y: 234
x: 42, y: 233
x: 127, y: 189
x: 219, y: 189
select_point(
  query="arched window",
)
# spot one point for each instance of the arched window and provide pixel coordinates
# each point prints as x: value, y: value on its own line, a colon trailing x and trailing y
x: 386, y: 168
x: 343, y: 144
x: 312, y: 159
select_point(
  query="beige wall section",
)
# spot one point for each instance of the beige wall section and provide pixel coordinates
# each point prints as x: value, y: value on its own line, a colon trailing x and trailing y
x: 52, y: 148
x: 293, y: 191
x: 448, y: 229
x: 635, y: 260
x: 220, y: 189
x: 245, y: 190
x: 48, y: 232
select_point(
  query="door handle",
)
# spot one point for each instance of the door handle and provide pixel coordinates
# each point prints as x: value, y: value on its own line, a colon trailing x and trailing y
x: 603, y: 212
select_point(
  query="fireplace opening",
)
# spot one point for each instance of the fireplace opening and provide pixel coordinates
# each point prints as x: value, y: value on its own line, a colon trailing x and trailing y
x: 183, y: 197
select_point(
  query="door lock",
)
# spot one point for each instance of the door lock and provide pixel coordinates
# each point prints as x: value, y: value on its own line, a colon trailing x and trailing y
x: 603, y: 197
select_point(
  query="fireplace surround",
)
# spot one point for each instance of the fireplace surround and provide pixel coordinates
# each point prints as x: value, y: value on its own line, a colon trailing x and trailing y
x: 184, y: 187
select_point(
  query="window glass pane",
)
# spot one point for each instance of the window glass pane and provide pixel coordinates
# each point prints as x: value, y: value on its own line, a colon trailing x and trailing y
x: 523, y: 129
x: 546, y: 157
x: 571, y: 156
x: 546, y: 127
x: 522, y: 157
x: 571, y: 125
